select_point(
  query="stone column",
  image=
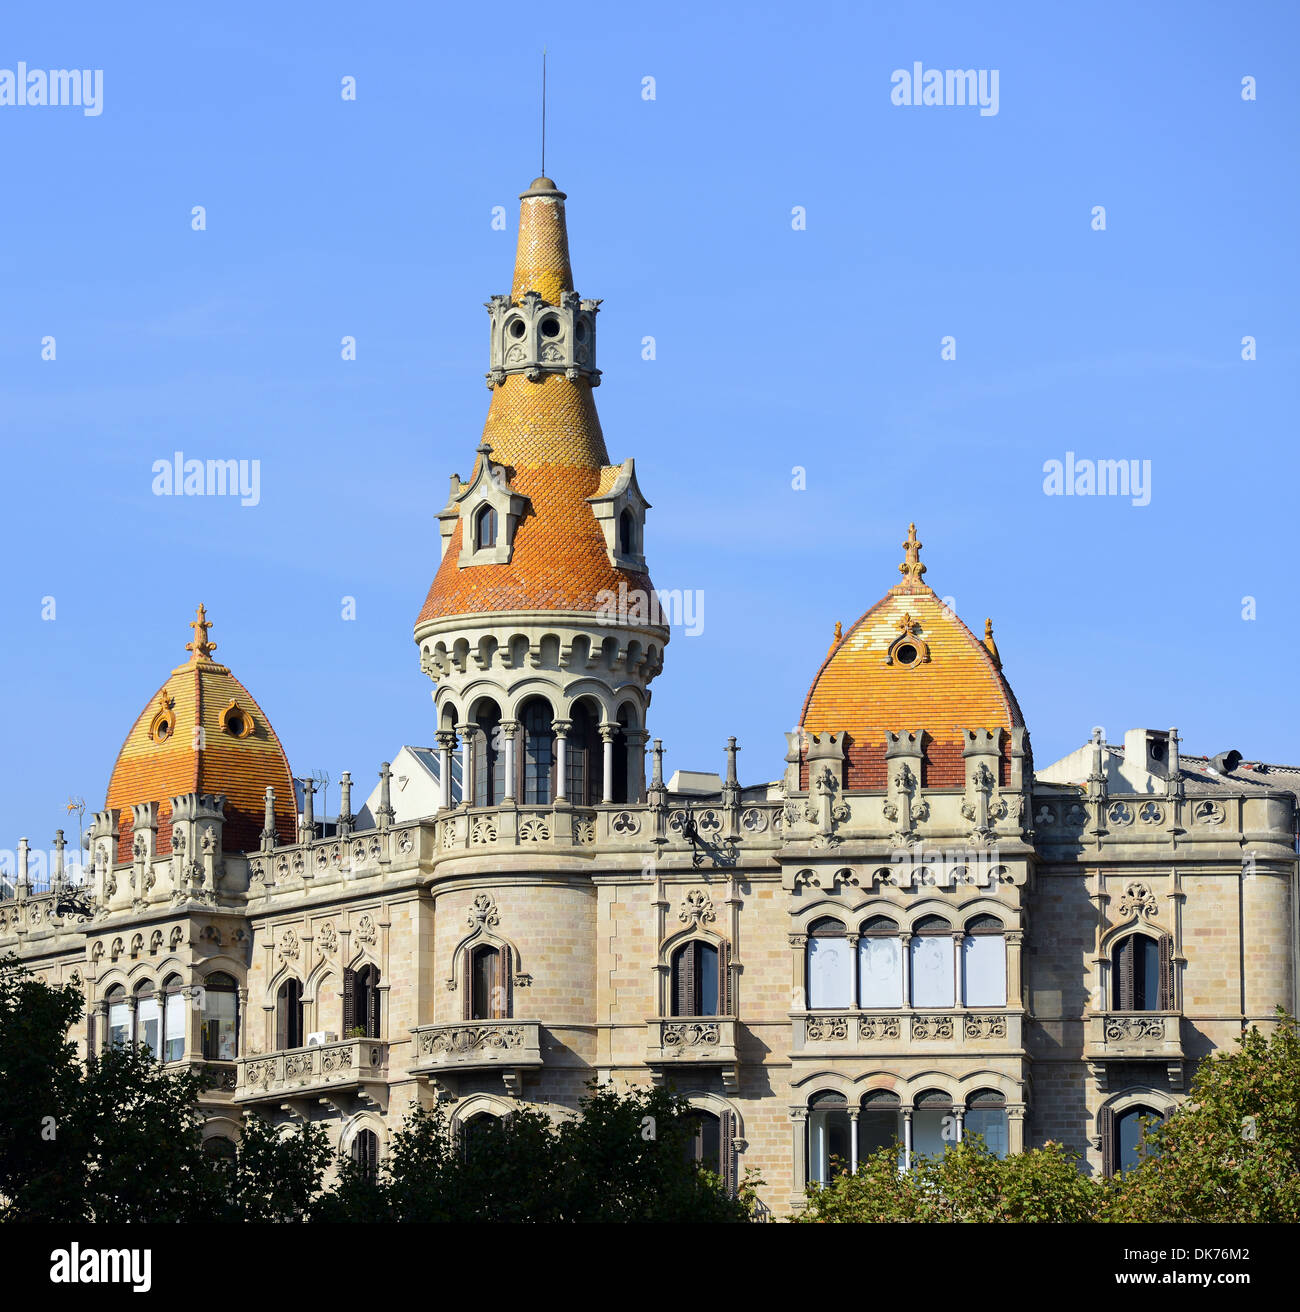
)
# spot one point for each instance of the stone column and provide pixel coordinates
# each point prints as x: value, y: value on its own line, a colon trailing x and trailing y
x: 798, y: 987
x: 960, y: 1114
x: 1016, y: 1128
x: 384, y: 813
x: 855, y: 995
x: 307, y: 823
x: 608, y: 732
x: 906, y: 942
x: 1015, y: 939
x: 509, y: 731
x: 799, y: 1118
x: 958, y: 993
x: 345, y: 816
x: 23, y: 849
x: 561, y: 729
x: 853, y: 1140
x: 446, y: 745
x: 467, y: 732
x: 268, y: 821
x: 907, y: 1138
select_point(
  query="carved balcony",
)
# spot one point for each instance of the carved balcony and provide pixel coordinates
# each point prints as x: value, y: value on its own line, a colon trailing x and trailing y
x: 1148, y: 1036
x: 676, y: 1043
x: 350, y: 1066
x: 509, y: 1046
x: 819, y: 1034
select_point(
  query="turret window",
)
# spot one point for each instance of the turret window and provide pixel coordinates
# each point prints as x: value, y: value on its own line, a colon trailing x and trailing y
x: 485, y: 528
x: 627, y: 533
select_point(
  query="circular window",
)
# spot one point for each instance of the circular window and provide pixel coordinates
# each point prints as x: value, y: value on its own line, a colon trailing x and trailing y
x: 516, y: 328
x: 235, y: 725
x: 550, y: 327
x: 162, y: 731
x: 906, y: 654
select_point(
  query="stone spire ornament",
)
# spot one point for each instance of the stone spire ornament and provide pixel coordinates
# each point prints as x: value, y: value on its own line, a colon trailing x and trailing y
x: 200, y: 649
x: 990, y: 644
x: 268, y: 821
x: 911, y: 569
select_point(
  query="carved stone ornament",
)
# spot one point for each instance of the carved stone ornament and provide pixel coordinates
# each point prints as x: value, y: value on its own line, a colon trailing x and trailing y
x: 1136, y: 900
x: 328, y: 937
x: 289, y: 949
x: 366, y: 929
x: 697, y: 908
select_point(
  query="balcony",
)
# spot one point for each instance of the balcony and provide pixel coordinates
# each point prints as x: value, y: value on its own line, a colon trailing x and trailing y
x: 509, y: 1046
x: 349, y: 1066
x: 850, y: 1033
x: 1134, y: 1036
x: 692, y: 1042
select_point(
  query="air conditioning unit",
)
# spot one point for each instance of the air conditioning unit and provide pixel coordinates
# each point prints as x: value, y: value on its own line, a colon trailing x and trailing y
x: 319, y: 1037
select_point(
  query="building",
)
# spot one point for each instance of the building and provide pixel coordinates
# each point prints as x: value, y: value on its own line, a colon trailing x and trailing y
x: 911, y: 933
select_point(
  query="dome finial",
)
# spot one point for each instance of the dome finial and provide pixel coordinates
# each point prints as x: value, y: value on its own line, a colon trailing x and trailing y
x: 911, y: 568
x: 200, y: 648
x: 990, y: 644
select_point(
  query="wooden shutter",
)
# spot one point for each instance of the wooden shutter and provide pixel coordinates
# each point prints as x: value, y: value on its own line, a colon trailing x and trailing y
x: 467, y: 983
x: 282, y: 1017
x: 1108, y: 1141
x: 727, y: 1135
x: 373, y: 1020
x: 1124, y: 957
x: 349, y: 1001
x: 684, y: 984
x: 1166, y: 1002
x: 724, y: 979
x: 501, y: 1001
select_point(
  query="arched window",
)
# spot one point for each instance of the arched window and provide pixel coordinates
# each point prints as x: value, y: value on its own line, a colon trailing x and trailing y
x: 288, y: 1015
x: 489, y: 758
x: 584, y: 764
x: 984, y: 963
x: 622, y: 757
x: 627, y: 533
x: 173, y: 1019
x: 880, y: 1124
x: 365, y: 1152
x: 830, y: 968
x: 1121, y: 1137
x: 485, y: 528
x: 148, y: 1018
x: 488, y: 992
x: 220, y: 1019
x: 539, y: 752
x: 933, y: 977
x: 934, y: 1122
x: 704, y: 1147
x: 986, y: 1115
x: 361, y: 1001
x: 699, y: 985
x: 828, y: 1136
x: 119, y: 1017
x: 473, y: 1132
x: 880, y: 964
x: 1141, y: 974
x: 220, y: 1148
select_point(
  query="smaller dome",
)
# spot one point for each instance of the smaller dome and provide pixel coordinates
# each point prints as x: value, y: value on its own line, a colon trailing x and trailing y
x: 202, y: 732
x: 910, y: 664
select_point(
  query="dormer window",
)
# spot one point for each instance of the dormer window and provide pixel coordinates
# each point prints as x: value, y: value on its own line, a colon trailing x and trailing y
x: 627, y: 533
x: 485, y: 529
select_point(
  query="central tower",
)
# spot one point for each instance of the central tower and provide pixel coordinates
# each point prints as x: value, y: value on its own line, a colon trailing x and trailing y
x: 540, y: 630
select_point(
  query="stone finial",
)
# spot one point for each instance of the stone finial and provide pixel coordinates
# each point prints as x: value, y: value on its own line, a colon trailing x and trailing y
x: 1175, y: 769
x: 200, y: 649
x: 911, y: 569
x: 990, y: 644
x: 307, y: 823
x: 268, y: 821
x: 59, y: 844
x: 839, y: 635
x: 23, y: 849
x: 731, y: 785
x: 657, y: 770
x: 384, y: 812
x: 345, y: 817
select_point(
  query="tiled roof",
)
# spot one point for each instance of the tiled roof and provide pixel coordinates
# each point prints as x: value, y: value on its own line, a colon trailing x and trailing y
x: 210, y: 761
x: 959, y: 687
x: 542, y: 255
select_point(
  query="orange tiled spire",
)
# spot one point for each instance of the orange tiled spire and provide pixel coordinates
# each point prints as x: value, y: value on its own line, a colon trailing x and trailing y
x: 542, y: 256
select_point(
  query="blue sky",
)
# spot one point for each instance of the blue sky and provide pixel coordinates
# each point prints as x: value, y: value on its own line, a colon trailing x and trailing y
x: 776, y: 348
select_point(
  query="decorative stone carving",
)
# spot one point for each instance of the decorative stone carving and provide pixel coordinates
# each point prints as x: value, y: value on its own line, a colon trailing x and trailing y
x: 470, y: 1038
x: 625, y: 824
x: 366, y: 932
x: 827, y: 1028
x: 1120, y: 814
x: 484, y: 831
x: 1127, y: 1029
x: 483, y: 911
x: 691, y: 1034
x: 986, y: 1027
x: 752, y: 820
x: 1136, y: 900
x: 697, y: 908
x: 584, y: 831
x: 328, y: 938
x: 1208, y: 812
x: 932, y: 1027
x: 879, y: 1027
x: 289, y: 949
x: 534, y: 830
x: 1151, y: 814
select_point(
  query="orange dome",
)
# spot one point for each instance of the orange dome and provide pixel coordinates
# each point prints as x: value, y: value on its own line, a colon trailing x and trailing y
x: 909, y: 663
x: 202, y: 732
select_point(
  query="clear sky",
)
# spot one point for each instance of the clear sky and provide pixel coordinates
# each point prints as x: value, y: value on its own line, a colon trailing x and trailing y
x: 776, y: 347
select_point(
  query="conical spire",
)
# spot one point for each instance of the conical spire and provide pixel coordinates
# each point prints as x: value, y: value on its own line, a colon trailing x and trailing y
x: 542, y: 257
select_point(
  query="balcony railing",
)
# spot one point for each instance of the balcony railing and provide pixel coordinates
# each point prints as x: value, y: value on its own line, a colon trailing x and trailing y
x: 478, y: 1045
x: 1134, y: 1036
x: 823, y: 1033
x: 320, y: 1068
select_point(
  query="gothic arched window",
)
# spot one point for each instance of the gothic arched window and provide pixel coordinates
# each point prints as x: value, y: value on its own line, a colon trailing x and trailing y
x: 830, y: 968
x: 288, y: 1015
x: 627, y: 533
x: 539, y: 752
x: 1141, y: 974
x: 485, y: 528
x: 489, y: 758
x: 361, y: 1001
x: 698, y: 988
x: 365, y: 1152
x: 487, y: 981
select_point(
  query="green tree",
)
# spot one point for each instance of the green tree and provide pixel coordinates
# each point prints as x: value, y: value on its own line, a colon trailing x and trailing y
x: 1232, y: 1151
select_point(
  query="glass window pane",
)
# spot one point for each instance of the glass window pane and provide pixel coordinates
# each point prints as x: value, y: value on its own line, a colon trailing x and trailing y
x: 984, y: 970
x: 1128, y: 1136
x: 706, y: 979
x: 148, y: 1025
x: 1146, y: 983
x: 828, y: 1133
x: 878, y: 1129
x: 174, y: 1027
x: 119, y: 1024
x: 932, y: 1130
x: 219, y: 1026
x: 880, y: 968
x: 830, y: 973
x: 991, y: 1124
x: 932, y: 971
